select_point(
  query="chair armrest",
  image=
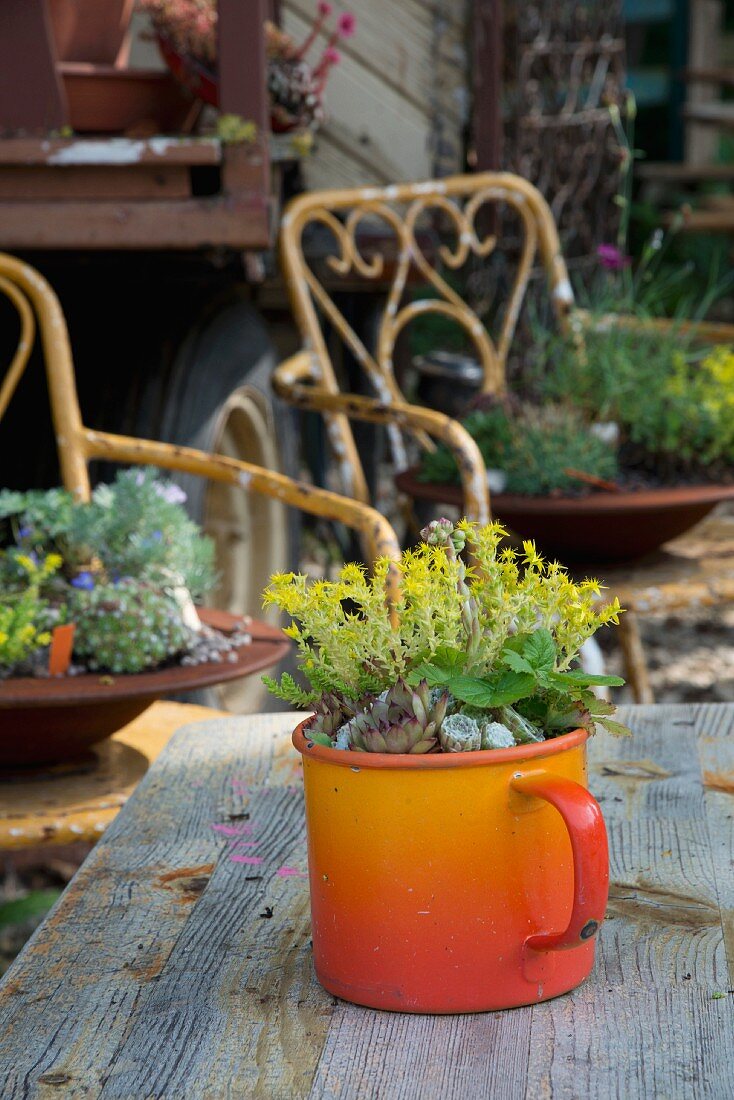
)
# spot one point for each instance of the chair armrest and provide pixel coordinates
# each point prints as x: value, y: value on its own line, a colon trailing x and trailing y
x: 380, y: 539
x: 714, y: 332
x: 288, y: 384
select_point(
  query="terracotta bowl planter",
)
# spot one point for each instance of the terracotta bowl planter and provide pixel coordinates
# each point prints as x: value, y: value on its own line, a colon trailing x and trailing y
x: 453, y: 882
x: 106, y: 100
x: 601, y: 527
x: 92, y: 30
x: 46, y: 721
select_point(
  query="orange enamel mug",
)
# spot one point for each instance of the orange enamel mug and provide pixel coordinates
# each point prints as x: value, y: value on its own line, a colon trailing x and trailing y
x: 453, y: 882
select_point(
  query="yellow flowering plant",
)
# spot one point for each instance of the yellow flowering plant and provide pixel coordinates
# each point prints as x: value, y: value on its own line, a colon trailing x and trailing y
x: 20, y: 632
x: 467, y: 657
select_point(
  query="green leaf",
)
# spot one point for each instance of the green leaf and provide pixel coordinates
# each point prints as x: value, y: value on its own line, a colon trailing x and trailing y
x: 472, y: 689
x: 445, y: 663
x: 576, y: 677
x: 447, y: 656
x: 511, y: 686
x: 617, y: 729
x: 432, y: 674
x: 320, y: 739
x: 540, y: 650
x: 515, y: 661
x: 506, y: 688
x: 29, y: 908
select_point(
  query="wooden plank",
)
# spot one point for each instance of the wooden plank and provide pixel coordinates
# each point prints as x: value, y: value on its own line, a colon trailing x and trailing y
x: 716, y: 758
x: 647, y: 1023
x: 160, y: 977
x: 167, y: 181
x: 32, y: 97
x: 396, y: 104
x: 159, y: 973
x: 384, y: 1054
x: 109, y: 152
x: 705, y: 26
x: 176, y: 224
x: 684, y: 173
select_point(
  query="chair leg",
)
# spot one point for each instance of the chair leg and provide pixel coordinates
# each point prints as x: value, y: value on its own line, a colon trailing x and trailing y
x: 592, y: 660
x: 635, y: 665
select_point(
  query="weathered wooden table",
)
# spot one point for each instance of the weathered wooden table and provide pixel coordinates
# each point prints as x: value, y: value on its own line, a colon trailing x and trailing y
x: 177, y: 963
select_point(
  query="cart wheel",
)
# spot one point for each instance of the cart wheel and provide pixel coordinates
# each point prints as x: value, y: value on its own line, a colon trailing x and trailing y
x: 218, y: 398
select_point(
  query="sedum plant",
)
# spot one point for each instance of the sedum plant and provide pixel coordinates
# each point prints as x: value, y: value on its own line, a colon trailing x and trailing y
x: 489, y: 651
x: 23, y: 614
x: 127, y: 627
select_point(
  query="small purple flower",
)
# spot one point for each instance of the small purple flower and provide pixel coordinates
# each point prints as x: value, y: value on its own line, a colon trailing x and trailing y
x: 24, y: 532
x: 83, y: 580
x: 172, y: 494
x: 612, y: 258
x: 140, y: 478
x: 157, y: 536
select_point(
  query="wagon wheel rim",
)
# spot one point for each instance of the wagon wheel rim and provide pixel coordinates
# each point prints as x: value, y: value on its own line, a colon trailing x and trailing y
x: 250, y: 531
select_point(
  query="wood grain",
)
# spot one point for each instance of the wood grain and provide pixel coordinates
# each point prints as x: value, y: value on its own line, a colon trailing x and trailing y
x: 171, y: 969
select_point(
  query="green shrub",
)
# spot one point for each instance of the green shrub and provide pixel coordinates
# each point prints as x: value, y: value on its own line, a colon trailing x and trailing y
x: 134, y: 527
x: 673, y: 402
x: 533, y: 446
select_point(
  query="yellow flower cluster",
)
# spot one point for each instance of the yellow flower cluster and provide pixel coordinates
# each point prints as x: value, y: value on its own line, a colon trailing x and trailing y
x: 19, y: 631
x: 349, y: 642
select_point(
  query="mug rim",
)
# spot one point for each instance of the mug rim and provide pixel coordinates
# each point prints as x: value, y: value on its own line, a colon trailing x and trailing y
x: 437, y: 760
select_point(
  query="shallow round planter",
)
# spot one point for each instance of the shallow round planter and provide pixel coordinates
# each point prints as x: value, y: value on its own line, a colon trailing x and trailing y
x: 453, y: 882
x: 599, y: 527
x: 55, y: 719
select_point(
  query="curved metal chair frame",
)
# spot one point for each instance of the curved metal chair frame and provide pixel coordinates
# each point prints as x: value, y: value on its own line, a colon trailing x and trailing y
x: 308, y: 378
x: 77, y: 444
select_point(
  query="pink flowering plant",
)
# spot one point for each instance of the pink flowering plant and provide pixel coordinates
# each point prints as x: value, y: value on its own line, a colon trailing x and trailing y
x: 295, y: 84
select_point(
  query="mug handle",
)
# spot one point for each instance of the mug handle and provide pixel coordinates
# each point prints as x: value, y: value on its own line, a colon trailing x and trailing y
x: 587, y: 832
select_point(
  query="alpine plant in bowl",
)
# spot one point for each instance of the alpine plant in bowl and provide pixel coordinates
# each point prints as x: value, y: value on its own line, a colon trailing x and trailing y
x: 471, y: 657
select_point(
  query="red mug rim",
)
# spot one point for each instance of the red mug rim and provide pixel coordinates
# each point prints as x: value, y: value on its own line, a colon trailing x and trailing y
x: 398, y: 761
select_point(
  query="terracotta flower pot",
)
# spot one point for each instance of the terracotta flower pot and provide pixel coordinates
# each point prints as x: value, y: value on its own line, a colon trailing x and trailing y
x: 597, y: 528
x: 92, y: 30
x: 454, y: 882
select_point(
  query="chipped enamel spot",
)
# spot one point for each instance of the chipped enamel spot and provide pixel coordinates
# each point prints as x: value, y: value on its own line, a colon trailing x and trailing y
x: 244, y: 477
x: 391, y: 192
x: 431, y: 187
x: 100, y: 826
x: 286, y: 219
x: 16, y: 832
x: 369, y: 193
x: 563, y: 292
x: 76, y: 829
